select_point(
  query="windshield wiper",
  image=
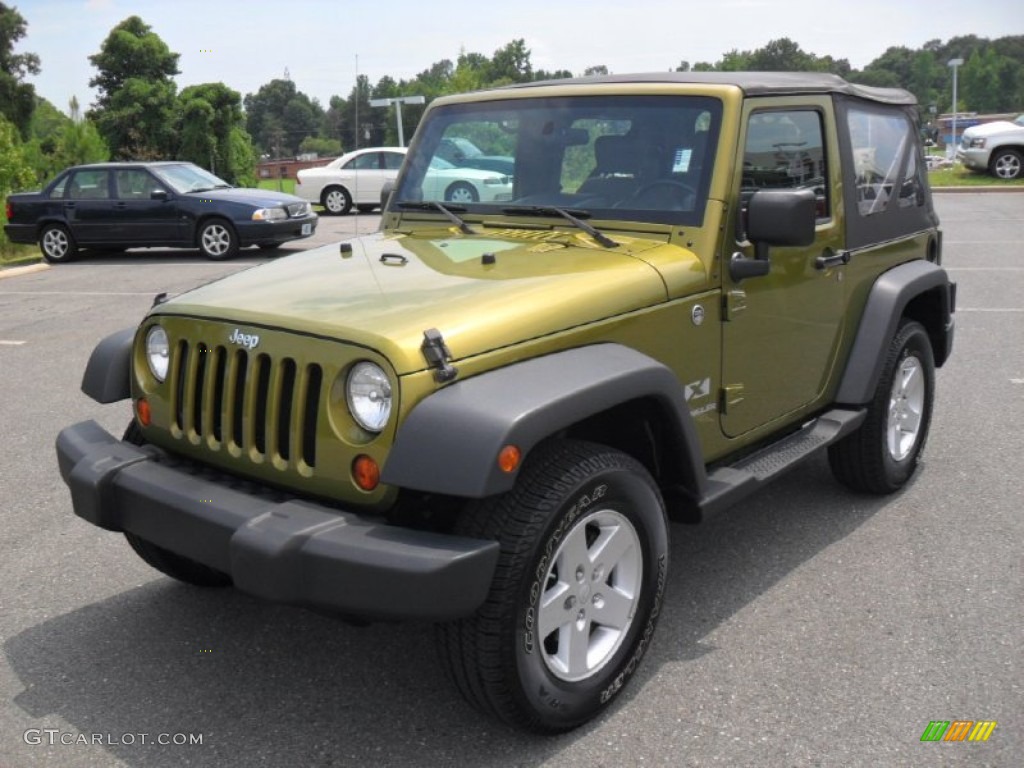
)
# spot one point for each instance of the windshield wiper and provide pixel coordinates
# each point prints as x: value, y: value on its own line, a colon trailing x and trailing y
x: 553, y: 210
x: 428, y: 205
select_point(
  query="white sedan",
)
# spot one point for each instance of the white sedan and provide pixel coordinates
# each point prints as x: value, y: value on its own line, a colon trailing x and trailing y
x: 355, y: 178
x: 454, y: 184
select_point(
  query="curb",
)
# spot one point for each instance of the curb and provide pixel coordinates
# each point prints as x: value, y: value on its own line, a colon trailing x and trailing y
x: 982, y: 189
x: 15, y: 271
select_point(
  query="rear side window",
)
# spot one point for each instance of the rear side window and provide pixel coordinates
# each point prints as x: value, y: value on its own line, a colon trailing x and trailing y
x: 89, y: 185
x: 884, y: 161
x: 785, y: 149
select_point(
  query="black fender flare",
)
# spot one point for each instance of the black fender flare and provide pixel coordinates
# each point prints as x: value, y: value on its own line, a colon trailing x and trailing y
x: 107, y: 377
x: 450, y: 441
x: 886, y: 304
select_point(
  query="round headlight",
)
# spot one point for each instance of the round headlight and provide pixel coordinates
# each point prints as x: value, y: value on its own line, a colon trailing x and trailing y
x: 369, y: 396
x: 158, y: 352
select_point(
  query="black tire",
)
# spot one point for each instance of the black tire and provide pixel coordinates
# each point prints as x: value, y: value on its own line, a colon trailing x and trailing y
x: 882, y: 455
x: 504, y: 659
x: 165, y: 561
x: 1006, y: 164
x: 57, y: 244
x: 217, y: 240
x: 336, y: 201
x: 461, y: 192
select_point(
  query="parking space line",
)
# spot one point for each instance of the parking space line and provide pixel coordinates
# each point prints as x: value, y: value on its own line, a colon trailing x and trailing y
x: 10, y: 343
x: 78, y: 293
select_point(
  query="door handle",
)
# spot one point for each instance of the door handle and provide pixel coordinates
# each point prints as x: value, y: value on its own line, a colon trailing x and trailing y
x: 120, y: 205
x: 830, y: 258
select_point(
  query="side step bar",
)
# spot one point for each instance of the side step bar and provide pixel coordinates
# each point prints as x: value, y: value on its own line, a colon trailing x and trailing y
x: 729, y: 484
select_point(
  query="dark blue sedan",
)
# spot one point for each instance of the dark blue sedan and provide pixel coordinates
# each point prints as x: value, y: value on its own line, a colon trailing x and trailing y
x: 112, y: 206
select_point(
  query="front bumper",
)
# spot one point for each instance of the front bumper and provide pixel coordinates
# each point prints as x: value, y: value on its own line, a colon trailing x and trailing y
x: 289, y: 551
x: 975, y: 159
x: 268, y: 232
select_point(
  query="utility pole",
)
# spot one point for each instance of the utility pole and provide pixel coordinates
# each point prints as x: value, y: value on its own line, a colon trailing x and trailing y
x: 954, y: 63
x: 398, y: 101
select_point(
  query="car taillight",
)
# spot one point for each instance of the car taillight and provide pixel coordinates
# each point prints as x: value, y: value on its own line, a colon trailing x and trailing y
x: 8, y: 210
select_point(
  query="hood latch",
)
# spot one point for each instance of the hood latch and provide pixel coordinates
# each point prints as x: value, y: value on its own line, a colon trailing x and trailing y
x: 437, y: 354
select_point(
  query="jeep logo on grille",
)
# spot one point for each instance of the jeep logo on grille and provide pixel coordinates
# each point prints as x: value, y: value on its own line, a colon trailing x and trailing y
x: 248, y: 340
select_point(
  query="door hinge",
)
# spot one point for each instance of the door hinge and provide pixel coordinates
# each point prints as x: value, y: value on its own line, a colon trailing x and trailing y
x: 733, y: 303
x: 731, y: 396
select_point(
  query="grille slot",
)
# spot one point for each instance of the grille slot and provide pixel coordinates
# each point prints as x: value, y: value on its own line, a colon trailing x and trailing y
x: 256, y: 406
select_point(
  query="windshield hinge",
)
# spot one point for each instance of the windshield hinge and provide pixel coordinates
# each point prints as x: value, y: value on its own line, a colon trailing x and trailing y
x: 437, y: 354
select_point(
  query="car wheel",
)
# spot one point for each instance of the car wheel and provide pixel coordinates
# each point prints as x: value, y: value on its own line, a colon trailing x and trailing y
x: 217, y: 240
x: 165, y: 561
x: 461, y: 192
x: 57, y: 244
x: 881, y: 456
x: 1006, y: 164
x: 337, y: 201
x: 576, y: 592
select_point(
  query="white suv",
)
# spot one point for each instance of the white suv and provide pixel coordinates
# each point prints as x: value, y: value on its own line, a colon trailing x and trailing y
x: 994, y: 147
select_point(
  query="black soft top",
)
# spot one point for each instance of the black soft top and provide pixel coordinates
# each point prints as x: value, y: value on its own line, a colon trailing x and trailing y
x: 752, y: 83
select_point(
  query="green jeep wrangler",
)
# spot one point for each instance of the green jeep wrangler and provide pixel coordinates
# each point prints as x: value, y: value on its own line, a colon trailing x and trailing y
x: 484, y: 414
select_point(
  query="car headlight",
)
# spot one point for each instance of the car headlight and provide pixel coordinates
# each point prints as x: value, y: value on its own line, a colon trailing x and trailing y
x: 269, y: 214
x: 977, y: 144
x: 158, y: 352
x: 369, y: 396
x: 496, y: 181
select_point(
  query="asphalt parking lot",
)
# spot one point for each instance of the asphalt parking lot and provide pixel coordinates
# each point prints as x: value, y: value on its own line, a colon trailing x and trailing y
x: 807, y: 626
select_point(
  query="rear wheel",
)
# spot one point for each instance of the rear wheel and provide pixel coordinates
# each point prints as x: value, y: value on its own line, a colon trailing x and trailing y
x: 57, y: 244
x: 576, y: 593
x: 337, y: 201
x: 165, y: 561
x: 881, y: 456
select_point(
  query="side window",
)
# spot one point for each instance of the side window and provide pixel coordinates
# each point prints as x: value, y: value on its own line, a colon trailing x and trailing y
x: 882, y: 144
x: 393, y: 160
x: 58, y: 190
x: 89, y: 185
x: 135, y: 184
x: 785, y: 149
x: 368, y: 162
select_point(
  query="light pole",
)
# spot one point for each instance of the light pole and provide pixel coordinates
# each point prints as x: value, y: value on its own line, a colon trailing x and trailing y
x: 954, y: 63
x: 398, y: 101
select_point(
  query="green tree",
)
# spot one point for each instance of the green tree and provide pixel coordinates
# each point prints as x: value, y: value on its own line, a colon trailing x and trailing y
x: 15, y: 171
x: 135, y: 109
x: 279, y: 117
x: 17, y: 99
x: 211, y: 131
x: 512, y: 63
x: 322, y: 147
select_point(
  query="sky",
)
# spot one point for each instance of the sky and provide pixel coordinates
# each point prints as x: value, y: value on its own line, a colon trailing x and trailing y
x: 323, y: 44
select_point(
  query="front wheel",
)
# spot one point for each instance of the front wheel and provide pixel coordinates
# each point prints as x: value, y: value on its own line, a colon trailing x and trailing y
x: 576, y: 593
x: 883, y: 453
x: 1006, y: 164
x: 461, y: 192
x: 217, y: 240
x: 57, y: 244
x: 337, y: 201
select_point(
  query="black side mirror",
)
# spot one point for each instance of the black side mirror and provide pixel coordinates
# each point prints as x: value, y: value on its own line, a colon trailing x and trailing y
x: 778, y: 217
x: 159, y: 194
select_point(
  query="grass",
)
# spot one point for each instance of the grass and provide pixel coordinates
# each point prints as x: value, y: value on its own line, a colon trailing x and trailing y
x: 278, y: 185
x: 958, y: 176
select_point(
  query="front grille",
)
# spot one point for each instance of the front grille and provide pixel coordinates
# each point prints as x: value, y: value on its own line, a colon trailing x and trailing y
x: 251, y: 403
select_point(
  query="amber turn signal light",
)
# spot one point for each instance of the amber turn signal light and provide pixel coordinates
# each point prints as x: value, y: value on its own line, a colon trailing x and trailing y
x: 365, y: 472
x: 142, y: 409
x: 509, y: 458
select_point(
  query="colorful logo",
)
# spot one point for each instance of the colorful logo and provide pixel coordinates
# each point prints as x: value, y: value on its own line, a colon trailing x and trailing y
x: 958, y: 730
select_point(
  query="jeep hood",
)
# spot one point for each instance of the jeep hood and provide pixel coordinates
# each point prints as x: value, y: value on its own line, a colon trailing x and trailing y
x: 482, y: 292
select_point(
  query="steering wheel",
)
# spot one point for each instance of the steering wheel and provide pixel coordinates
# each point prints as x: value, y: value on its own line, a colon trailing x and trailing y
x: 680, y: 196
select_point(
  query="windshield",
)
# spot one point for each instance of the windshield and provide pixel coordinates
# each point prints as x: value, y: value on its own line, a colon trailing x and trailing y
x: 189, y: 178
x: 639, y: 158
